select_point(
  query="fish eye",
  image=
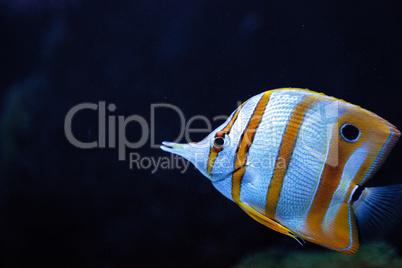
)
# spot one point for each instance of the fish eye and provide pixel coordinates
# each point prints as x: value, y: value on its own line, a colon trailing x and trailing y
x: 219, y: 141
x: 350, y: 132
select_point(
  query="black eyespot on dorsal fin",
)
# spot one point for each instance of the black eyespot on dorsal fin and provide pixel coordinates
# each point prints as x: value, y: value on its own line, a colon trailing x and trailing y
x: 349, y: 132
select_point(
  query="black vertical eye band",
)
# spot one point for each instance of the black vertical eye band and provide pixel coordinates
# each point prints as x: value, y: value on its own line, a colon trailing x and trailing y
x: 219, y: 141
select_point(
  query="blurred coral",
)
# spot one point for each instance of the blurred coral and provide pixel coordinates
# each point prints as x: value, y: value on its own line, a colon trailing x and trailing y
x: 377, y: 254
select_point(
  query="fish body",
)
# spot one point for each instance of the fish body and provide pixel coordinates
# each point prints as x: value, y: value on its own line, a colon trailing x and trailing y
x: 296, y: 161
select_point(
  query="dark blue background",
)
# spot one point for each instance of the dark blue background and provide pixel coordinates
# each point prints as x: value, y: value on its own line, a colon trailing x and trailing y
x: 60, y: 205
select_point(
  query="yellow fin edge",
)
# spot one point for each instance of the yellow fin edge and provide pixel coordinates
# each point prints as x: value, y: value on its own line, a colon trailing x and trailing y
x: 270, y: 223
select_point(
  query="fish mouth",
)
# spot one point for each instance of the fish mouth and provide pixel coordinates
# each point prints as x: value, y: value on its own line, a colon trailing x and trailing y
x: 172, y: 147
x: 187, y: 151
x: 182, y: 149
x: 166, y: 146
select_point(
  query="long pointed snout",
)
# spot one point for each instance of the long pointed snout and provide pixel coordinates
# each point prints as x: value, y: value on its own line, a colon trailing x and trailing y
x: 196, y: 153
x: 181, y: 149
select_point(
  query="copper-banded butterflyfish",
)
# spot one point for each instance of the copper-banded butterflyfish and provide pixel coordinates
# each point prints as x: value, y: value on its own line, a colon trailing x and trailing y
x: 297, y: 161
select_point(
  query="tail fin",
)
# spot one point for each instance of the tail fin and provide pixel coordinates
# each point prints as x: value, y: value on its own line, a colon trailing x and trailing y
x: 378, y: 209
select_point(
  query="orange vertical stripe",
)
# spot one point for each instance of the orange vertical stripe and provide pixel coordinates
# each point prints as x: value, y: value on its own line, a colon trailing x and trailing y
x: 214, y: 154
x: 244, y: 145
x: 329, y: 182
x: 285, y: 153
x: 331, y: 177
